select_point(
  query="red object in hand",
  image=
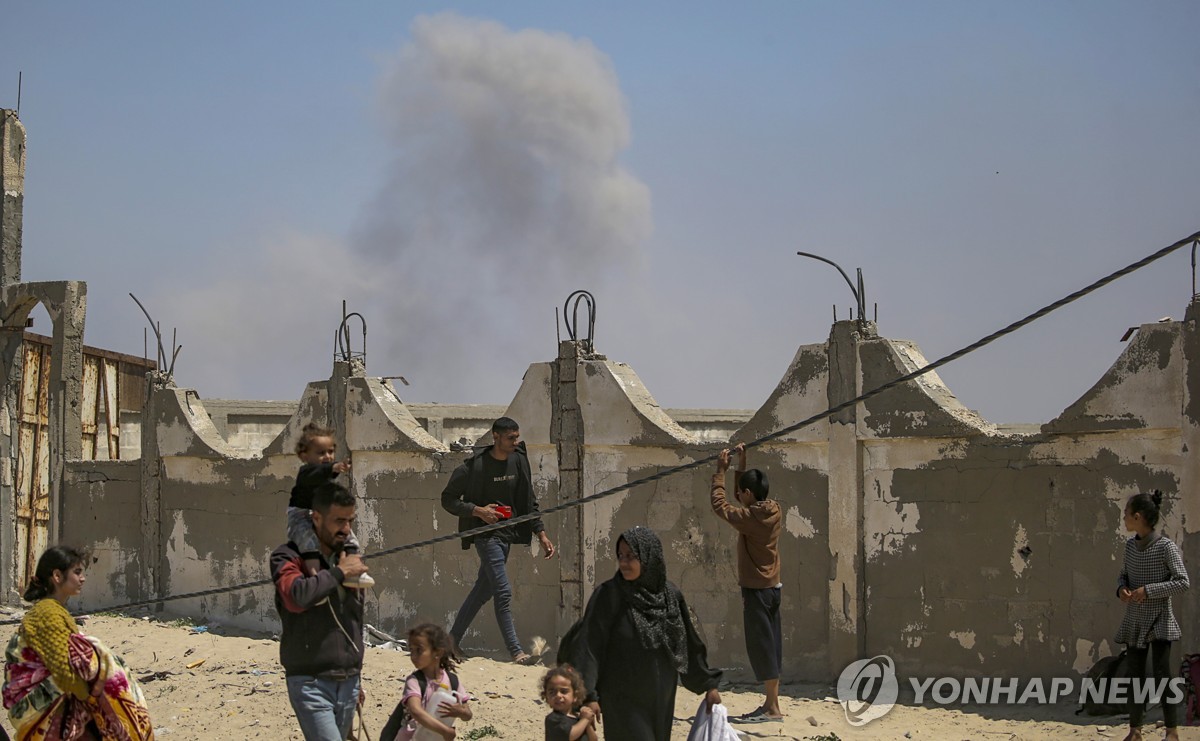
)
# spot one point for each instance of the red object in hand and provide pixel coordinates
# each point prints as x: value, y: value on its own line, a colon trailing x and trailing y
x: 504, y: 511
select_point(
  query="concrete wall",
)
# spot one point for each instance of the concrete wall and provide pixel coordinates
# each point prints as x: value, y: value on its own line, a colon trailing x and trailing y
x: 912, y: 526
x: 1004, y: 550
x: 249, y: 426
x: 103, y: 512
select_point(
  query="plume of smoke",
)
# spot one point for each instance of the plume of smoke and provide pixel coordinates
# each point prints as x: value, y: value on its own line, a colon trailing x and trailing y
x: 267, y: 328
x: 504, y: 192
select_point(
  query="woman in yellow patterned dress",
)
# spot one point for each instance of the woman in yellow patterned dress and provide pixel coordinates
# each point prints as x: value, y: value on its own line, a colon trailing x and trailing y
x: 62, y: 685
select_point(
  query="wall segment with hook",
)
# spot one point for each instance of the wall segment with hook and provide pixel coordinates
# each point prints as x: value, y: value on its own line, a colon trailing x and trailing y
x: 860, y: 292
x: 572, y: 320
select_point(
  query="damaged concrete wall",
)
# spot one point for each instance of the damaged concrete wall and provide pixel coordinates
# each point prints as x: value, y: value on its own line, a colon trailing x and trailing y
x: 220, y: 511
x: 912, y: 526
x: 989, y: 552
x: 103, y: 505
x: 627, y: 437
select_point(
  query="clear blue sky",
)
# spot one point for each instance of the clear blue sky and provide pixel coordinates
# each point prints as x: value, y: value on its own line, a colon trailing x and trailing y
x: 243, y: 167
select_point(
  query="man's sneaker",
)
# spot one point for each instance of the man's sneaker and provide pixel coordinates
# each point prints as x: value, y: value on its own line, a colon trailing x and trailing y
x: 362, y: 581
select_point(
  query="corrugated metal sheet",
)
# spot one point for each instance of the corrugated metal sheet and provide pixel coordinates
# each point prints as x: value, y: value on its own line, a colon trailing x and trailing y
x: 112, y: 408
x: 88, y: 413
x: 111, y: 382
x: 33, y: 459
x: 101, y: 408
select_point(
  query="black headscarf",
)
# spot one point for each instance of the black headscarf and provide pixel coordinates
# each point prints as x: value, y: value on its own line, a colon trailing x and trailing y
x: 656, y: 613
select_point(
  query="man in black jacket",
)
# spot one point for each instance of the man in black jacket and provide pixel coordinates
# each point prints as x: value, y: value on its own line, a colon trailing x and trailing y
x: 491, y: 485
x: 321, y: 646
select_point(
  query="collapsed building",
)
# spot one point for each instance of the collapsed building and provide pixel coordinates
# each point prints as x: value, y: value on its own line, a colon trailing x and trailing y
x: 913, y: 527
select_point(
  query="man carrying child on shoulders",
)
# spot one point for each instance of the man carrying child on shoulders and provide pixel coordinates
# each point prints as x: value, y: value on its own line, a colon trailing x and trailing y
x: 321, y: 644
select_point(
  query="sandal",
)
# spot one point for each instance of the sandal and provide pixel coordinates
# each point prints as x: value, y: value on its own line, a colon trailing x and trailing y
x: 757, y: 716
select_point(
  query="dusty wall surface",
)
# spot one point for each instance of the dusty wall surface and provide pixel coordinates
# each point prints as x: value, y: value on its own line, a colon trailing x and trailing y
x: 912, y: 527
x: 991, y: 550
x: 627, y: 437
x: 103, y: 513
x: 1004, y: 551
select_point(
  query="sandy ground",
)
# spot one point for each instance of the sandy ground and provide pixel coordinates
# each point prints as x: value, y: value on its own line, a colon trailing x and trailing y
x: 234, y: 689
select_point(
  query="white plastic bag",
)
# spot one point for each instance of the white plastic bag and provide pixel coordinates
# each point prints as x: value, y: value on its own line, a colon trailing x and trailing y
x: 712, y: 726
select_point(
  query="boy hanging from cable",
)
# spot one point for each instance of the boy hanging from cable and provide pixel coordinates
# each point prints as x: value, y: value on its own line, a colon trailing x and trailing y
x: 757, y: 522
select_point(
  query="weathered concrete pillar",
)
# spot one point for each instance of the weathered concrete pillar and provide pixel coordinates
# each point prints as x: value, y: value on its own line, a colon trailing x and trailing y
x: 343, y: 371
x: 12, y: 195
x: 846, y: 554
x: 152, y: 555
x: 1189, y: 474
x: 66, y: 391
x: 12, y: 198
x: 11, y: 358
x: 566, y: 433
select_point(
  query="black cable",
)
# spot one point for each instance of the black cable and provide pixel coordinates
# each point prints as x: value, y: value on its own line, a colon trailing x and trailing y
x: 699, y: 462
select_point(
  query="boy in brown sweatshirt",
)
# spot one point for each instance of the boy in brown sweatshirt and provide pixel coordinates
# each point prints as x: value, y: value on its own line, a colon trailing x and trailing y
x: 758, y: 522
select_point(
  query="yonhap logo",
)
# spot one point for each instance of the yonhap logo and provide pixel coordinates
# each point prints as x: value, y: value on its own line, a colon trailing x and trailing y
x: 867, y: 689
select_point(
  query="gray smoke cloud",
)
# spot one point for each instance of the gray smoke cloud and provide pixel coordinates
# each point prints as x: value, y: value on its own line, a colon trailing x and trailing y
x: 503, y: 192
x: 264, y: 325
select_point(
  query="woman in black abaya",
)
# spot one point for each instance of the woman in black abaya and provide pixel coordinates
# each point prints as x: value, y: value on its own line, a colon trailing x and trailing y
x: 637, y: 642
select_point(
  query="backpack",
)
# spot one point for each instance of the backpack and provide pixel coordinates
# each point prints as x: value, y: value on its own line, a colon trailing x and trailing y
x: 1108, y: 668
x: 570, y: 647
x: 1189, y: 669
x: 400, y: 717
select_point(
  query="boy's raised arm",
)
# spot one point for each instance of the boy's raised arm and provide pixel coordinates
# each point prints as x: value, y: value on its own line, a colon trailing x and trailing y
x: 721, y: 507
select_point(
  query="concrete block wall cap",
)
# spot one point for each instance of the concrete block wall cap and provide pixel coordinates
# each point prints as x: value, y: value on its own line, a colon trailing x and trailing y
x: 380, y: 420
x: 531, y: 405
x: 312, y: 406
x: 924, y: 406
x: 185, y: 429
x: 619, y: 410
x: 1143, y: 388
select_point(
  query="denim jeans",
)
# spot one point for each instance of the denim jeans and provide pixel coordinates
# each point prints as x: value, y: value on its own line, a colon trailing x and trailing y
x: 324, y: 707
x: 491, y: 584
